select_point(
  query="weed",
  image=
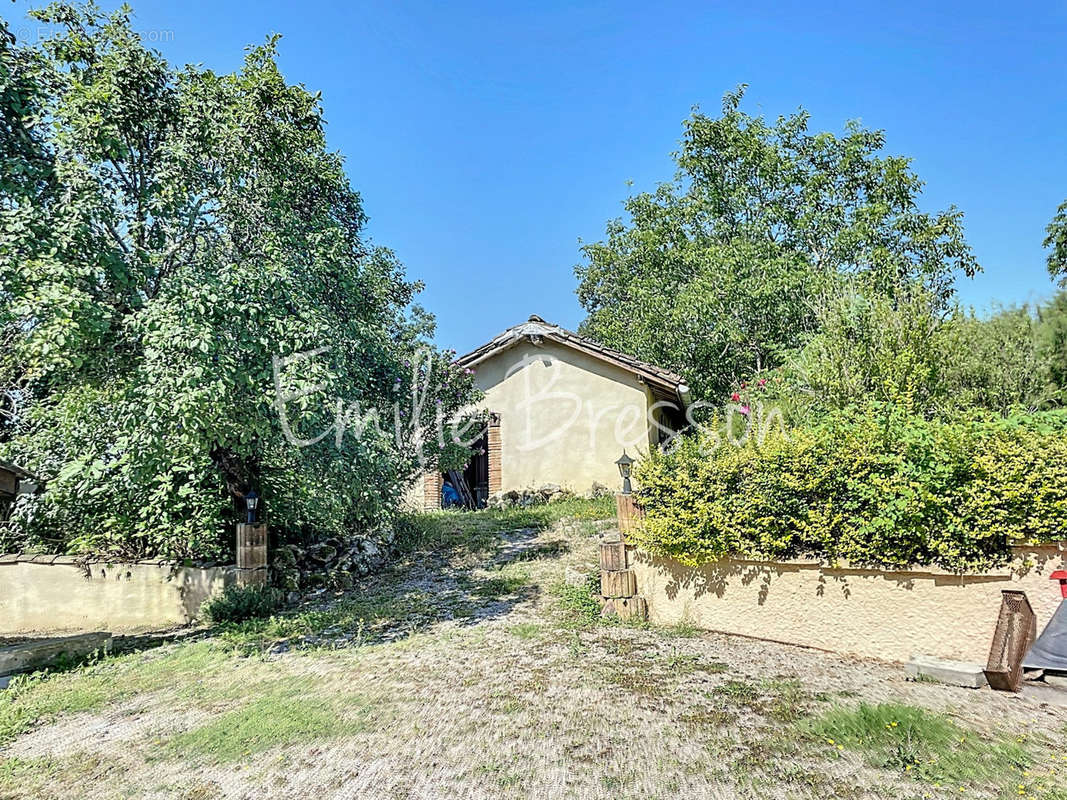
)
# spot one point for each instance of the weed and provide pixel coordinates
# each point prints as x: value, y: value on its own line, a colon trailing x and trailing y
x: 238, y: 603
x: 684, y: 629
x: 581, y: 603
x: 739, y: 691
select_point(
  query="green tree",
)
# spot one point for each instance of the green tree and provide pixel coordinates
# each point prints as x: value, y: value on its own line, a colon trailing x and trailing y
x: 1056, y: 239
x: 713, y: 273
x: 165, y: 234
x: 934, y: 362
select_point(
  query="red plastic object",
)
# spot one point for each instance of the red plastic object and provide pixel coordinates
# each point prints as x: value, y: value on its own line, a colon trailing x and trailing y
x: 1061, y: 576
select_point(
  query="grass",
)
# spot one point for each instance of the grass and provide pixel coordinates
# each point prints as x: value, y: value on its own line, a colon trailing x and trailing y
x: 35, y: 699
x: 477, y: 531
x: 526, y: 630
x: 362, y: 617
x: 924, y: 745
x: 273, y: 720
x: 505, y: 582
x: 580, y: 604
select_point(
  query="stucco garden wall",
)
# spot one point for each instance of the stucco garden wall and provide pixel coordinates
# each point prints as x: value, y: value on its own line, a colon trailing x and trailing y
x: 887, y: 615
x: 565, y: 416
x: 40, y: 594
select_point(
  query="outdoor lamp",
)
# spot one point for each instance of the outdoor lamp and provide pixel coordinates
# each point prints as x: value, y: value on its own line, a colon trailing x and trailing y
x: 251, y: 502
x: 624, y: 464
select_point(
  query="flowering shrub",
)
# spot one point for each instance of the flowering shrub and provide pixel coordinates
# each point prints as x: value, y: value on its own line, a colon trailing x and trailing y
x: 878, y: 487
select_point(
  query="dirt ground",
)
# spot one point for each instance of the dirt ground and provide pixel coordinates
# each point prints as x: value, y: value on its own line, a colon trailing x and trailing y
x: 492, y: 680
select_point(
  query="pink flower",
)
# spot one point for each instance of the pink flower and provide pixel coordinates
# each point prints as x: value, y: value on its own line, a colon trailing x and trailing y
x: 735, y: 397
x: 762, y: 381
x: 744, y: 410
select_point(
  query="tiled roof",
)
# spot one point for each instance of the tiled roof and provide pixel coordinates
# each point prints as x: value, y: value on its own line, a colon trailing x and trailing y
x: 537, y: 327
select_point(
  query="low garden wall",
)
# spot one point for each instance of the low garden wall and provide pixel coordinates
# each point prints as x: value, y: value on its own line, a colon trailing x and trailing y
x: 61, y: 593
x: 889, y: 615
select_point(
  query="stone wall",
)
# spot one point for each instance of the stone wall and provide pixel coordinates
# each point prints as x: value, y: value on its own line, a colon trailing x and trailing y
x: 44, y: 594
x: 884, y: 614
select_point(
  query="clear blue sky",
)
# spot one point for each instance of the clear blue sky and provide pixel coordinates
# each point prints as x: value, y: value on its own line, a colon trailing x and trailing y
x: 487, y: 138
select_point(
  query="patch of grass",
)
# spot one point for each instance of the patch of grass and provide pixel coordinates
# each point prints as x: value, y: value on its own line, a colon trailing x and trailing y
x: 478, y: 531
x: 31, y: 700
x: 787, y: 699
x: 923, y: 744
x: 685, y: 663
x: 363, y: 617
x: 272, y: 720
x: 738, y: 691
x: 494, y: 587
x: 525, y: 630
x: 580, y: 604
x: 547, y: 550
x: 684, y: 629
x: 52, y: 777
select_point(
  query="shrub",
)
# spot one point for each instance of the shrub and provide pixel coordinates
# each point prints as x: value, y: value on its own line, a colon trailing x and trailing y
x: 239, y: 603
x: 879, y: 487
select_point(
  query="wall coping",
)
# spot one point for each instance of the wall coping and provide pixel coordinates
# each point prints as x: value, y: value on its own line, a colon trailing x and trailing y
x: 60, y: 560
x: 1019, y: 564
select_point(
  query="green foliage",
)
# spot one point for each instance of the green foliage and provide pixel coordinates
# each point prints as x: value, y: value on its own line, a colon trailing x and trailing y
x: 934, y: 362
x: 165, y: 235
x: 923, y: 745
x: 581, y: 602
x: 238, y: 603
x: 713, y: 273
x: 1056, y: 239
x: 876, y: 486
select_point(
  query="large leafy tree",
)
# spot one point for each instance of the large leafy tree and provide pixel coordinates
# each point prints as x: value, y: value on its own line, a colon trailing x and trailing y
x: 713, y: 272
x: 165, y: 236
x: 1056, y: 241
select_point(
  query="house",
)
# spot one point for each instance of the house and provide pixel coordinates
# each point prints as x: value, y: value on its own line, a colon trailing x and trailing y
x: 562, y: 409
x: 14, y: 480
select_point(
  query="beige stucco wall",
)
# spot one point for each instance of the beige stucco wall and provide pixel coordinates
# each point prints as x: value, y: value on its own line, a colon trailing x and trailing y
x: 887, y: 615
x: 565, y: 416
x: 40, y: 597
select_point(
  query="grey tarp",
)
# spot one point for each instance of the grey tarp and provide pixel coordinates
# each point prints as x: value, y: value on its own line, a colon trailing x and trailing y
x: 1050, y: 649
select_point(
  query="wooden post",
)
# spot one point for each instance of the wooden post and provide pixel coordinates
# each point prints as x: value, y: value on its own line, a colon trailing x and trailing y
x: 618, y: 583
x: 251, y: 554
x: 612, y: 555
x: 628, y: 512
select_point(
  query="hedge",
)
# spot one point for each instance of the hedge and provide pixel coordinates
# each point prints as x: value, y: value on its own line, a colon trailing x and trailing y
x: 873, y: 487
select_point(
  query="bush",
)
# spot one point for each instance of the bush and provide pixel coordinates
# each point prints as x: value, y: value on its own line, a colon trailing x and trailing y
x: 239, y: 603
x: 878, y: 487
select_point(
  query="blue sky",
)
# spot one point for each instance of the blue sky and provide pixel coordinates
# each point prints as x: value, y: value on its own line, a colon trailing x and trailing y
x: 488, y: 138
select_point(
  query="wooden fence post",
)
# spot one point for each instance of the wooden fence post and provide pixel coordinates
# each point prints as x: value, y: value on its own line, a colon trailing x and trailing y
x: 251, y: 554
x: 628, y: 512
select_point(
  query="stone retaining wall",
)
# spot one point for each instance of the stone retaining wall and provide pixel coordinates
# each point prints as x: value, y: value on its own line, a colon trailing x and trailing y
x: 44, y: 594
x: 884, y: 614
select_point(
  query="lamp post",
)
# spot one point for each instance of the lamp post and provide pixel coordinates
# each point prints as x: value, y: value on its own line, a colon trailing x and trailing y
x: 624, y: 463
x: 251, y: 504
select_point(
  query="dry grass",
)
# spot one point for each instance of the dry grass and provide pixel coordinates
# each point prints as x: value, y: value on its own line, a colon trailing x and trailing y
x: 480, y: 674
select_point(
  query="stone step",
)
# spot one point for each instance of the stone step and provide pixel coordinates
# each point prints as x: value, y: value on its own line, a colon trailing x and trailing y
x: 953, y: 673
